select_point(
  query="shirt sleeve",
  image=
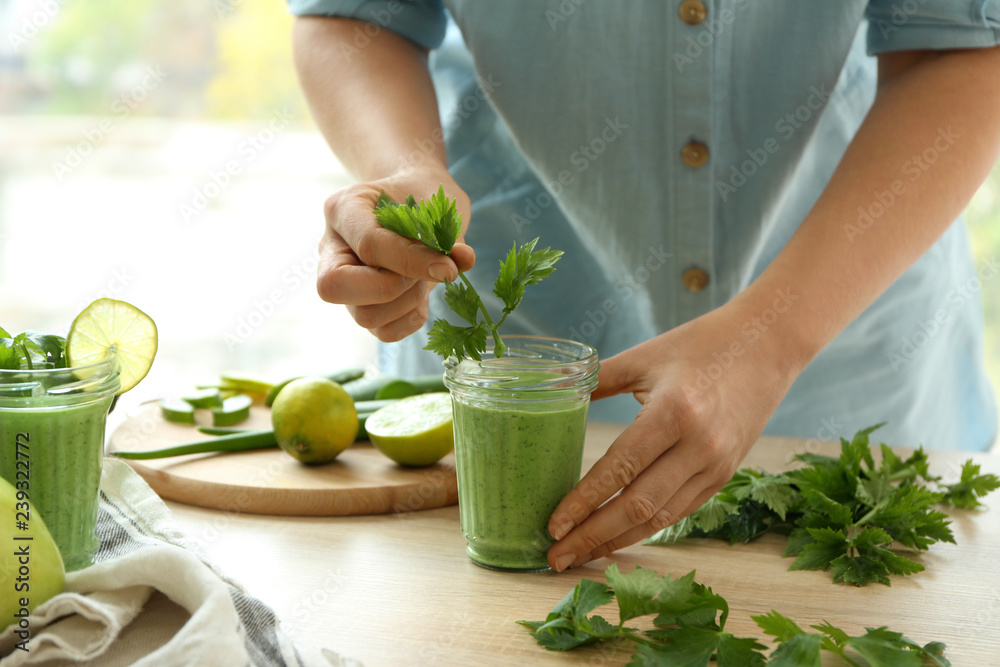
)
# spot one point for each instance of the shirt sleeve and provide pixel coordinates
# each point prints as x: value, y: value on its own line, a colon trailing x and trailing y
x: 421, y: 21
x: 905, y: 25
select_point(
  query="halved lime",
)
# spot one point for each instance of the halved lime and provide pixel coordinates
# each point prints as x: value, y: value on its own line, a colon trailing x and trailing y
x: 109, y: 324
x: 414, y: 431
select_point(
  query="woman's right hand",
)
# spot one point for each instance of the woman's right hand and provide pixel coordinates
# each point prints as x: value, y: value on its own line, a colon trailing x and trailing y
x: 384, y: 279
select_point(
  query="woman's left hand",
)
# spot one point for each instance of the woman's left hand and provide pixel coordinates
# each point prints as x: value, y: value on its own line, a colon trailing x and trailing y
x: 707, y: 389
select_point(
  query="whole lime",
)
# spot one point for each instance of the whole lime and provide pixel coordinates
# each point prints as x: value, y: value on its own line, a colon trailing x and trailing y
x: 415, y: 431
x: 31, y: 568
x: 314, y: 419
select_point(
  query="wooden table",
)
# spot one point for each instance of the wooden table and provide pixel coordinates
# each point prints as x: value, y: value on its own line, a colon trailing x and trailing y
x: 399, y: 589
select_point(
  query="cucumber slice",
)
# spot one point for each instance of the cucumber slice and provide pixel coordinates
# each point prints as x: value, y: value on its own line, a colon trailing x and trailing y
x: 340, y: 377
x: 244, y: 383
x: 396, y: 389
x: 204, y: 398
x: 177, y: 410
x: 233, y: 411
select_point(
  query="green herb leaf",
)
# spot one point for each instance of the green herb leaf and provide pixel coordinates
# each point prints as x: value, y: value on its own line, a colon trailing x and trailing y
x: 10, y: 357
x: 773, y: 491
x: 447, y: 339
x: 524, y: 266
x: 436, y: 223
x: 971, y: 487
x: 841, y: 514
x: 695, y: 647
x: 635, y: 591
x: 685, y: 636
x: 464, y: 301
x: 31, y: 350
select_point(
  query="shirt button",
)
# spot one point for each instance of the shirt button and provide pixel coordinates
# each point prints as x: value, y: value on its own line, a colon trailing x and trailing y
x: 695, y: 154
x: 695, y: 279
x: 693, y: 12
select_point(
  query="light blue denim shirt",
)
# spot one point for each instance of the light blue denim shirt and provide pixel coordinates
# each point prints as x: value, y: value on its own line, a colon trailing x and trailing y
x: 659, y: 150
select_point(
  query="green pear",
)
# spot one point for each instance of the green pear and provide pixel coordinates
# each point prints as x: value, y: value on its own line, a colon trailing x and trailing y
x: 31, y: 568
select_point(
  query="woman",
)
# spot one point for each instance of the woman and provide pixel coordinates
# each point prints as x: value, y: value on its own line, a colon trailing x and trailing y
x: 759, y: 218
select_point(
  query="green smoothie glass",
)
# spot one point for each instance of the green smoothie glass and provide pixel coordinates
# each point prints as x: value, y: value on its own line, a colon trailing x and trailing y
x: 519, y: 426
x: 52, y: 436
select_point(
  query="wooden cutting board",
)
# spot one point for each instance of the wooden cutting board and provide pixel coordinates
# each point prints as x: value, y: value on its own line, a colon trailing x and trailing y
x: 359, y: 481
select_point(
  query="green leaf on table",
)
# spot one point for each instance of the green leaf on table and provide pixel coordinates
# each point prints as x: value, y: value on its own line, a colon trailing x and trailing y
x: 884, y: 648
x: 636, y: 591
x: 827, y: 545
x: 971, y: 486
x: 751, y: 519
x: 687, y: 634
x: 857, y: 451
x: 567, y: 625
x: 776, y: 492
x: 695, y: 647
x: 796, y: 648
x: 909, y: 517
x: 800, y: 651
x: 712, y: 515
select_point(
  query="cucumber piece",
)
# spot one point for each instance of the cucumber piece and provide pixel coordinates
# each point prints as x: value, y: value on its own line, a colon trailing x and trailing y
x: 428, y: 384
x: 367, y: 388
x: 233, y: 411
x: 235, y: 442
x: 396, y: 389
x: 244, y: 383
x: 204, y: 398
x: 177, y: 410
x: 340, y: 377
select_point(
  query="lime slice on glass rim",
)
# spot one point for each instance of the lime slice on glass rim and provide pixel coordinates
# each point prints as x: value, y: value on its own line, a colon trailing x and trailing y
x: 414, y: 431
x: 110, y: 325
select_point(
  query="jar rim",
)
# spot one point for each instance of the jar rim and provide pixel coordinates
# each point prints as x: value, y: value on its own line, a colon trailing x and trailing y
x: 529, y: 364
x: 110, y: 362
x: 18, y: 386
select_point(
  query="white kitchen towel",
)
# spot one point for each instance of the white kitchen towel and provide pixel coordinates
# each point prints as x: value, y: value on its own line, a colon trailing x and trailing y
x: 152, y: 598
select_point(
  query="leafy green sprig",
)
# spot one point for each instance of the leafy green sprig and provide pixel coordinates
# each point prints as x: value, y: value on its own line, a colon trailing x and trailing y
x: 436, y: 223
x: 31, y: 350
x: 689, y: 628
x: 841, y: 514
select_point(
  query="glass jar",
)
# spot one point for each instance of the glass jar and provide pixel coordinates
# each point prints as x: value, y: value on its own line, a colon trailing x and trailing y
x: 519, y: 424
x: 52, y: 424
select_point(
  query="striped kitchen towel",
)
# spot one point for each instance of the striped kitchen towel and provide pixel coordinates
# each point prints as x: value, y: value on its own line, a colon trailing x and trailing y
x: 152, y: 597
